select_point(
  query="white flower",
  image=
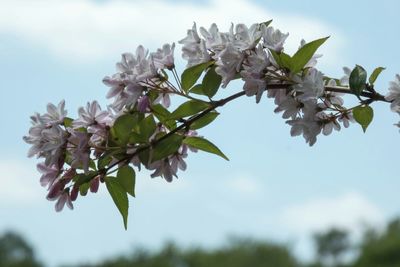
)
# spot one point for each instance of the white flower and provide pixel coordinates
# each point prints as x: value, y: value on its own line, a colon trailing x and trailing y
x: 63, y: 199
x: 91, y: 115
x: 49, y: 174
x: 328, y: 123
x: 229, y: 64
x: 394, y: 94
x: 253, y: 73
x: 164, y: 58
x: 290, y: 107
x: 194, y: 49
x: 80, y: 150
x: 162, y: 168
x: 307, y: 124
x: 215, y: 40
x: 344, y: 81
x: 311, y: 86
x: 55, y: 115
x: 247, y: 38
x: 346, y: 118
x: 273, y: 39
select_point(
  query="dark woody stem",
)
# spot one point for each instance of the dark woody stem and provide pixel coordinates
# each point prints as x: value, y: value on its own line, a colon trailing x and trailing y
x: 371, y: 97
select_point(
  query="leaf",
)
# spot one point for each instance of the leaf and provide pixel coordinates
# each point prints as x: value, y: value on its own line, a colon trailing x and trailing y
x: 203, y: 121
x: 126, y: 177
x: 191, y: 75
x: 189, y: 108
x: 84, y: 188
x: 211, y: 82
x: 120, y: 198
x: 205, y: 145
x: 122, y: 128
x: 357, y: 80
x: 304, y: 54
x: 363, y: 115
x: 267, y: 23
x: 375, y: 74
x: 147, y: 126
x: 197, y: 89
x: 166, y: 147
x: 103, y: 161
x: 162, y: 114
x: 282, y: 59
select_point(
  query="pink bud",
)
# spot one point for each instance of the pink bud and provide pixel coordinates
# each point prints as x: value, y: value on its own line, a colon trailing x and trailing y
x: 74, y: 192
x: 94, y: 184
x: 55, y: 190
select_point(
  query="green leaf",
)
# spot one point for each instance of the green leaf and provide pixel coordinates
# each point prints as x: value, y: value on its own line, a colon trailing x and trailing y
x: 103, y: 161
x: 147, y: 126
x: 82, y: 178
x: 203, y: 121
x: 126, y: 177
x: 375, y: 75
x: 84, y: 188
x: 282, y: 59
x: 197, y: 89
x: 363, y: 115
x: 162, y: 114
x: 189, y: 108
x: 267, y: 23
x: 304, y: 54
x: 211, y: 82
x: 205, y: 145
x: 123, y: 127
x: 191, y: 75
x: 120, y: 198
x: 357, y: 80
x: 166, y: 147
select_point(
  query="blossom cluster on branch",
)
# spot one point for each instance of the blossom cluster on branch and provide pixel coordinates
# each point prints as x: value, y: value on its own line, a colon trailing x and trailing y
x: 137, y: 129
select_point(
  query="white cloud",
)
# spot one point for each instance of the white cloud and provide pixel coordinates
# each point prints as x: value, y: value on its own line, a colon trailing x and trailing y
x: 349, y: 211
x: 82, y: 30
x: 19, y: 183
x: 244, y: 184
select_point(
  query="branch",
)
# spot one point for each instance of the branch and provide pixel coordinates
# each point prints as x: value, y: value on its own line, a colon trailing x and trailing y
x: 372, y: 96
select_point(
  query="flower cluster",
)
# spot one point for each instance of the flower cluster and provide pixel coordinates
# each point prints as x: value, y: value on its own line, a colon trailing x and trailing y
x: 137, y: 129
x: 71, y: 147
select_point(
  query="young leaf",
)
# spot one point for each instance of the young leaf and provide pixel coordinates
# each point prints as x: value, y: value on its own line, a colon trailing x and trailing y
x: 205, y: 145
x: 205, y: 120
x: 304, y: 54
x: 126, y: 178
x: 120, y: 198
x: 357, y: 80
x: 84, y: 188
x: 363, y: 115
x: 192, y: 74
x: 189, y: 108
x: 166, y: 147
x: 211, y: 82
x: 375, y: 74
x: 267, y: 23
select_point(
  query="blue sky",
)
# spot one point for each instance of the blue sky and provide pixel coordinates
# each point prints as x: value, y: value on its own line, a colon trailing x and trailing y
x: 274, y: 186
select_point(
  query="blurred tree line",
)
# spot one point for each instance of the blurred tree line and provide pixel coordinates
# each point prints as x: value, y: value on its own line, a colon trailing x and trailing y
x: 333, y: 249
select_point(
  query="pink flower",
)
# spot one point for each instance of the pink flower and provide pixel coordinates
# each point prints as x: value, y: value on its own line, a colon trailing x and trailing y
x: 65, y: 198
